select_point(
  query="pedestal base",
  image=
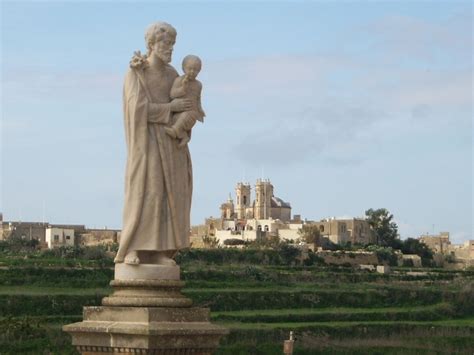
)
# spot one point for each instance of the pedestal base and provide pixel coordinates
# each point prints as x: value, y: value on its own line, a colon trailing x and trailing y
x: 146, y: 317
x: 146, y: 272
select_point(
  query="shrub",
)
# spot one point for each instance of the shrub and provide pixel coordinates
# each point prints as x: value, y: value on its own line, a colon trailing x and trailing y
x: 234, y: 241
x: 464, y: 300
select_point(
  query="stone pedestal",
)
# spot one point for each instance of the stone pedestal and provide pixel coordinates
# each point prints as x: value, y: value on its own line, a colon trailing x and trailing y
x: 145, y: 316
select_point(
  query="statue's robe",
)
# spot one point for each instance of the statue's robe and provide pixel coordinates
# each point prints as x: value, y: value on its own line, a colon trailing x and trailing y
x: 158, y: 177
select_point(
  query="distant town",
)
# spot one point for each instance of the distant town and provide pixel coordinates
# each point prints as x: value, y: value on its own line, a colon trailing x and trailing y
x: 245, y: 220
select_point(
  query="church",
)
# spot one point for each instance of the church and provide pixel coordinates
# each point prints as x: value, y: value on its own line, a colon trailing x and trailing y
x: 265, y: 206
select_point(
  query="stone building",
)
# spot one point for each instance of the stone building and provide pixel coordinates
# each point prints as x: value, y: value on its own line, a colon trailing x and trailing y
x: 244, y: 218
x: 94, y: 237
x: 464, y: 253
x: 268, y: 215
x: 460, y: 254
x: 26, y: 231
x: 45, y: 233
x: 346, y: 230
x: 36, y: 230
x: 265, y: 206
x: 56, y: 237
x: 437, y: 243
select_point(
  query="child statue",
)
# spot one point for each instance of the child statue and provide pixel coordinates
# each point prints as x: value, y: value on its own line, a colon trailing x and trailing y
x: 187, y: 87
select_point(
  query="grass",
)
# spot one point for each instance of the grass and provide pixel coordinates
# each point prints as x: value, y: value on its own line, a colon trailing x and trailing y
x: 468, y: 322
x: 391, y: 314
x: 40, y: 291
x: 331, y: 310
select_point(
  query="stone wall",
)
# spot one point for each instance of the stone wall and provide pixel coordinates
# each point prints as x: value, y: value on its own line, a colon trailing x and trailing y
x: 93, y: 237
x: 345, y: 257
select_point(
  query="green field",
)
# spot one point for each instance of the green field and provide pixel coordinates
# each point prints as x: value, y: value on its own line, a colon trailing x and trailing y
x: 332, y: 310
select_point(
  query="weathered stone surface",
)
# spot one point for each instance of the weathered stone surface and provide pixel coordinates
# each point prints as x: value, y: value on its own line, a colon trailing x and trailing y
x: 145, y: 330
x: 158, y: 176
x: 147, y: 293
x: 146, y: 314
x: 146, y: 317
x: 146, y: 272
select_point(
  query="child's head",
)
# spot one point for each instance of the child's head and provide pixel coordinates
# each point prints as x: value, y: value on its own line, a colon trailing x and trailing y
x: 191, y: 65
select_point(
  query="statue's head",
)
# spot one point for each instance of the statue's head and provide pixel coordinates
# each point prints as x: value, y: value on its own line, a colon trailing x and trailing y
x: 160, y: 38
x: 192, y: 65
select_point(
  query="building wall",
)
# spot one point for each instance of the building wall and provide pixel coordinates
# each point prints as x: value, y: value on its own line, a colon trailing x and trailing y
x: 465, y: 252
x: 353, y: 258
x: 28, y: 230
x: 243, y: 199
x: 289, y: 234
x: 437, y: 243
x: 281, y: 213
x: 341, y: 231
x: 263, y: 199
x: 265, y: 225
x: 57, y: 237
x: 93, y: 237
x: 415, y: 259
x: 227, y: 210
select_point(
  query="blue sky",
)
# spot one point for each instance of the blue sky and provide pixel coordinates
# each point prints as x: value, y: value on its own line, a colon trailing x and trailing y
x: 345, y: 106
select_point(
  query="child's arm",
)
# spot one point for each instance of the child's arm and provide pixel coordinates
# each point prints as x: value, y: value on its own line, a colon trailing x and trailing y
x: 178, y: 89
x: 201, y: 111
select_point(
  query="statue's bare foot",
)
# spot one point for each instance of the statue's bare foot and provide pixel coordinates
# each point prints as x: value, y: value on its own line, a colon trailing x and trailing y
x: 165, y: 260
x: 170, y: 131
x: 132, y: 258
x: 184, y: 141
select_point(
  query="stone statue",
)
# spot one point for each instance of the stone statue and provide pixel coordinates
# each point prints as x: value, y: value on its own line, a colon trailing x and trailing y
x: 158, y: 178
x: 147, y: 313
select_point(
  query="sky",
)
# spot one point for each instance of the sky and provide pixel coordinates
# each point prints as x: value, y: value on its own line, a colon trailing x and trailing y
x: 344, y: 106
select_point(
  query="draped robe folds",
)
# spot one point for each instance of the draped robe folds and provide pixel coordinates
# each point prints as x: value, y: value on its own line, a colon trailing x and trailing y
x: 158, y: 177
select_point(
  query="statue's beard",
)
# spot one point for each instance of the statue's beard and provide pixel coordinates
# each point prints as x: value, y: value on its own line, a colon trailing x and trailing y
x: 165, y: 57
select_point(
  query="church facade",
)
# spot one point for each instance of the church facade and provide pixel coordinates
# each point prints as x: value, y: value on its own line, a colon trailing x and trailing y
x: 265, y: 205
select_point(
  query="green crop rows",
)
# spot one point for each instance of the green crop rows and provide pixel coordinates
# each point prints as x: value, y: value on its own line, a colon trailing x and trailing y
x: 332, y: 310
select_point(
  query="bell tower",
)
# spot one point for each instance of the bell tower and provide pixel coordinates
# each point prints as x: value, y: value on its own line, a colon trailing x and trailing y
x: 263, y: 199
x: 242, y: 192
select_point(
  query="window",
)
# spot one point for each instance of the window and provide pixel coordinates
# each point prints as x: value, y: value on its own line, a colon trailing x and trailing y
x: 56, y: 238
x: 259, y: 228
x: 245, y: 200
x: 342, y: 227
x: 68, y: 237
x: 321, y: 228
x: 266, y: 228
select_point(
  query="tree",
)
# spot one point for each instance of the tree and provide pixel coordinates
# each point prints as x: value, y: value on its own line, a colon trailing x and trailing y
x: 414, y: 246
x: 381, y: 222
x: 210, y: 241
x: 310, y: 234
